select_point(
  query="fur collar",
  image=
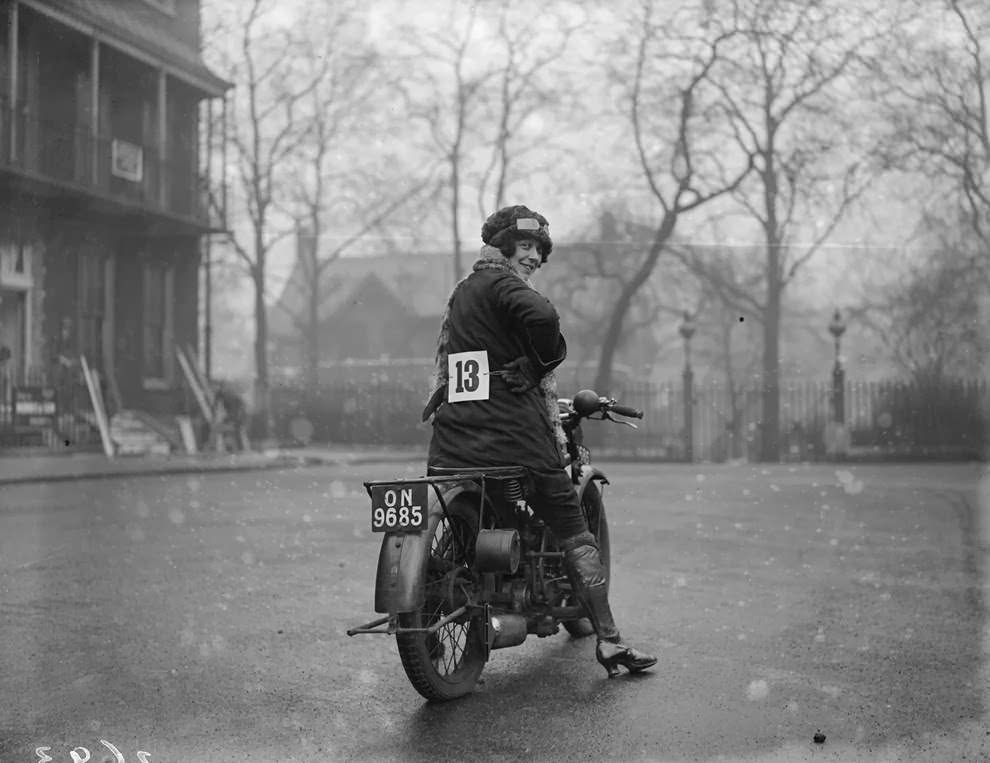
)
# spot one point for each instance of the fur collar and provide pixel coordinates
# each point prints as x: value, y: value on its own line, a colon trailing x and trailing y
x: 490, y: 258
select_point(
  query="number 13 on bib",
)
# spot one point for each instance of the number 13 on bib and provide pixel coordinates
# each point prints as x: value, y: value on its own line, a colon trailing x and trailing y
x: 467, y: 376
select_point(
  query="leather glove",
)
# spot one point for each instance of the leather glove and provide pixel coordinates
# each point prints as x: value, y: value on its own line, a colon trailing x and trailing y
x: 520, y: 375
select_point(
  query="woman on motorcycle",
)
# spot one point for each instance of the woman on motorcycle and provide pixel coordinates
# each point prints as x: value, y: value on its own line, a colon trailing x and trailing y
x: 494, y: 401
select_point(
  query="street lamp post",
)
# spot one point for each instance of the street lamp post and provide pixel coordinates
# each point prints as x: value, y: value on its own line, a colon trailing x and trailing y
x: 687, y: 331
x: 837, y: 328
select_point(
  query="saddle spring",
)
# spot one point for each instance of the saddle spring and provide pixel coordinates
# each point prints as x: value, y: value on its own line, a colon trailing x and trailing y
x: 513, y: 493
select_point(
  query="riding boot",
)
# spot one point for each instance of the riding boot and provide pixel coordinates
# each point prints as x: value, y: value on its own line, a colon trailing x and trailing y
x: 587, y: 576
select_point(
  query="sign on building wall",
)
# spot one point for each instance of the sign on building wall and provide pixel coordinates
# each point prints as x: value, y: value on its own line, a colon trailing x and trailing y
x: 15, y: 265
x: 35, y: 407
x: 127, y: 160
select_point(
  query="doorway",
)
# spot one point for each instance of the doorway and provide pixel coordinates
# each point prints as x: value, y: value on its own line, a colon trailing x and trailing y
x: 13, y: 335
x: 13, y: 346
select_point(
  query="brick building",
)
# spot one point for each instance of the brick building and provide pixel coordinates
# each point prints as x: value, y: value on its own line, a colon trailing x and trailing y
x: 105, y: 107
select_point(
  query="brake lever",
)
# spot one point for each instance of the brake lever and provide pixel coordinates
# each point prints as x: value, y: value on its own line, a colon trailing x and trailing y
x: 618, y: 421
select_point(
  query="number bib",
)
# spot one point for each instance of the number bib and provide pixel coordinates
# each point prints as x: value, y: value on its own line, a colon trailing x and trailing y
x: 467, y: 376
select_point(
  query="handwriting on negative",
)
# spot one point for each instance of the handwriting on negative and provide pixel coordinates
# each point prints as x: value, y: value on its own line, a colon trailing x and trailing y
x: 82, y: 754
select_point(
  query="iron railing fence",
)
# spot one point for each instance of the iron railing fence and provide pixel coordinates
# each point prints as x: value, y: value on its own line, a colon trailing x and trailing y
x: 888, y: 419
x: 884, y: 419
x: 75, y: 425
x: 369, y: 411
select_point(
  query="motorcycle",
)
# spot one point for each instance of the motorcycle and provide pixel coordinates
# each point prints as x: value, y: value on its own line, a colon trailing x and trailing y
x: 465, y: 567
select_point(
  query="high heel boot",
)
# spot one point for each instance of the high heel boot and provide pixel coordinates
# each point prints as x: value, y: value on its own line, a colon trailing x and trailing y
x: 587, y: 576
x: 611, y: 652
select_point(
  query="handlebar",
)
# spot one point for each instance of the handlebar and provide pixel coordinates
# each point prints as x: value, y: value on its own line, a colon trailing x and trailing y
x: 625, y: 410
x: 588, y: 402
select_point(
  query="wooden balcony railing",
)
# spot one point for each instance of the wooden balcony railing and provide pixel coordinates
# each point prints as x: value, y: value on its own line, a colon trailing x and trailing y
x: 101, y: 164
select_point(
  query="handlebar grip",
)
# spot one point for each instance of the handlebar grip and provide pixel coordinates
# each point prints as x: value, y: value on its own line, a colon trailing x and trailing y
x: 624, y: 410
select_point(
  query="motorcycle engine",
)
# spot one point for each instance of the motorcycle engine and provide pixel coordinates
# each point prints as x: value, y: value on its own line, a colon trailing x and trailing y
x: 516, y: 592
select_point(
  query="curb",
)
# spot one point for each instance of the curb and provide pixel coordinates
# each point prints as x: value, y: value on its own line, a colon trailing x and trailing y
x: 285, y: 462
x: 152, y: 472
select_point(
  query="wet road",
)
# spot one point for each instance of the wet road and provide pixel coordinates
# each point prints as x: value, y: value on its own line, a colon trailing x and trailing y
x: 202, y: 619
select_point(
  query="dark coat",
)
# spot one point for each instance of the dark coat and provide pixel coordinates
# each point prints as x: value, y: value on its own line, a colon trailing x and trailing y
x: 497, y: 311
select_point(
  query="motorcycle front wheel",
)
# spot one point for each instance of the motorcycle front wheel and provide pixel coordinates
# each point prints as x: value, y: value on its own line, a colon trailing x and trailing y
x: 446, y: 664
x: 594, y: 514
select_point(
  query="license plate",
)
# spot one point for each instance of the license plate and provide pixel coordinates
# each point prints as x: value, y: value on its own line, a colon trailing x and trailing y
x: 399, y: 508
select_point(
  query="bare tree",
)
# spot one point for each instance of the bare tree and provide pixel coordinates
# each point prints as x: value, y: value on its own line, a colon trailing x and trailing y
x: 256, y: 53
x: 444, y: 89
x: 681, y: 151
x: 341, y: 192
x: 936, y: 99
x: 929, y: 319
x: 727, y: 326
x: 528, y: 76
x: 315, y: 263
x: 728, y: 319
x: 599, y: 266
x: 788, y: 89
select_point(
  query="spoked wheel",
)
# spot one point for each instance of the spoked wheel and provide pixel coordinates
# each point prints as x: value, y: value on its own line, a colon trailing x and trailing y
x: 445, y: 664
x: 594, y: 514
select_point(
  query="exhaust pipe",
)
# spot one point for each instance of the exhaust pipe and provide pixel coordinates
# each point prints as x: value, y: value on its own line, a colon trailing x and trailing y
x: 507, y: 630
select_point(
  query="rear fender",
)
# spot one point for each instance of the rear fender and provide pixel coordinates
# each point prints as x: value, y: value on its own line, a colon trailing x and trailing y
x: 400, y: 584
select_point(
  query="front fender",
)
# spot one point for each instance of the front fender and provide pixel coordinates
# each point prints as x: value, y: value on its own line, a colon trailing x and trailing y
x: 400, y: 584
x: 588, y: 475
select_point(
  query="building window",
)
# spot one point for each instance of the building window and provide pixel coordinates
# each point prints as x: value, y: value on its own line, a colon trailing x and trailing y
x: 157, y: 324
x: 92, y: 307
x: 165, y: 6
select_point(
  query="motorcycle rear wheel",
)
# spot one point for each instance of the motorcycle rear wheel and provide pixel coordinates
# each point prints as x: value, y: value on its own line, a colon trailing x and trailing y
x: 594, y: 514
x: 446, y: 664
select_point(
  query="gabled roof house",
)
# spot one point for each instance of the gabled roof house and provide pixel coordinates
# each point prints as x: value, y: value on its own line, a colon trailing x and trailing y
x: 374, y: 308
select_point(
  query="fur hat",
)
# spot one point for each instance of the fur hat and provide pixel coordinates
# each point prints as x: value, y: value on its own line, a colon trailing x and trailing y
x: 509, y: 224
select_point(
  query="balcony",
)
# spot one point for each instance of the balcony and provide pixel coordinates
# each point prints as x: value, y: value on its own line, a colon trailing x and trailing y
x: 131, y: 176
